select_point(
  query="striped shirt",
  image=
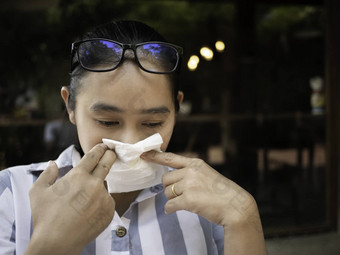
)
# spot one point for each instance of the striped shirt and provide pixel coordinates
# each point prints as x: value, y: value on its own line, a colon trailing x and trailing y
x: 143, y: 229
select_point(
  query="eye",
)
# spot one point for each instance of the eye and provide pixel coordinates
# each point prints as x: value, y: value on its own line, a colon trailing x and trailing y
x: 152, y: 124
x: 108, y: 123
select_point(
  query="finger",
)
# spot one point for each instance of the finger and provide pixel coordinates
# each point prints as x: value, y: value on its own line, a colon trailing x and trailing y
x: 175, y: 204
x: 174, y: 190
x: 91, y: 159
x: 172, y: 177
x: 48, y: 176
x: 104, y: 165
x: 166, y: 159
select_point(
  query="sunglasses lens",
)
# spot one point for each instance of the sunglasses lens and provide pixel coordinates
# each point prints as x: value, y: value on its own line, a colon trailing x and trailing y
x: 157, y: 57
x: 99, y: 54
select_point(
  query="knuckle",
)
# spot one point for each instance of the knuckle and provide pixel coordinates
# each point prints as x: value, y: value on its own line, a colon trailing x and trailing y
x: 165, y: 179
x: 104, y: 166
x: 197, y: 162
x: 62, y: 187
x: 168, y: 193
x: 169, y: 157
x: 91, y: 155
x: 221, y: 186
x: 192, y: 184
x: 95, y: 153
x: 192, y: 170
x: 76, y: 173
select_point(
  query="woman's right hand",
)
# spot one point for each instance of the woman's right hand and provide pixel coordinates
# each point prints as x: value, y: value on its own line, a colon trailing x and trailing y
x: 70, y: 213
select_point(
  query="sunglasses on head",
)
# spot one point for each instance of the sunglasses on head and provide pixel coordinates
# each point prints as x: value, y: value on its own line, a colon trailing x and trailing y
x: 102, y: 55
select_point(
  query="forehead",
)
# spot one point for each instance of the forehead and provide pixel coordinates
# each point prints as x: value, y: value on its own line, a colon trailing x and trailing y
x: 128, y: 86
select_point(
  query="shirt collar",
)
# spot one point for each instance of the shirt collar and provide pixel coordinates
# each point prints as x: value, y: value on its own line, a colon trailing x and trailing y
x: 149, y: 192
x: 64, y: 160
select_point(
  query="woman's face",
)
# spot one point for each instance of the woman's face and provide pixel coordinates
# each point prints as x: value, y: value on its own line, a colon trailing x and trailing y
x: 126, y: 104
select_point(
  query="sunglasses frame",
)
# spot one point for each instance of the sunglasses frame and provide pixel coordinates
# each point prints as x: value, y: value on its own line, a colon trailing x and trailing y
x: 75, y: 47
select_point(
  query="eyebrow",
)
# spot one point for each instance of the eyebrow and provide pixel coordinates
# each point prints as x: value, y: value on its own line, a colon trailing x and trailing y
x: 155, y: 110
x: 102, y: 107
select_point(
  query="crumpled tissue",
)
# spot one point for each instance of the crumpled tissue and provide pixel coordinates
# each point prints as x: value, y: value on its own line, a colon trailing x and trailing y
x: 129, y: 172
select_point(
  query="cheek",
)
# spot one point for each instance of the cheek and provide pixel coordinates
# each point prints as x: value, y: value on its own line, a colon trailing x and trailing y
x: 88, y: 134
x: 166, y: 134
x: 87, y: 138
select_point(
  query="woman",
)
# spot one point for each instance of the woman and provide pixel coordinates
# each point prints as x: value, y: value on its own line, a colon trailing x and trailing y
x: 124, y: 86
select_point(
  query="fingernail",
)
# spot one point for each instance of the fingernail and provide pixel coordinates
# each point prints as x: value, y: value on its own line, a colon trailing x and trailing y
x: 50, y: 163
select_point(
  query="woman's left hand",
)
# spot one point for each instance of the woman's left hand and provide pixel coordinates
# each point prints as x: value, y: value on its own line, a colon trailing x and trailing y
x: 198, y: 188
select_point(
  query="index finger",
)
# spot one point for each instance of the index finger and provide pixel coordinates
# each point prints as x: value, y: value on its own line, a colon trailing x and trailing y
x: 166, y: 159
x: 104, y: 165
x: 89, y: 162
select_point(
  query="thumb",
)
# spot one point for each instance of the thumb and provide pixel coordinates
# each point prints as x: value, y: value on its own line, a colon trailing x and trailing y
x: 49, y: 175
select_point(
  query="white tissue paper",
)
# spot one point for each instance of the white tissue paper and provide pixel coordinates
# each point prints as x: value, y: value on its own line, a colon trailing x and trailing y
x: 129, y: 172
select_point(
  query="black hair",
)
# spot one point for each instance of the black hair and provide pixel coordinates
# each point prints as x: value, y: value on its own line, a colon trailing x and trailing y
x: 127, y: 32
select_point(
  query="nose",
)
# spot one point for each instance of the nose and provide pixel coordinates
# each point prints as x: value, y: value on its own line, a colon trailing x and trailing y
x: 129, y: 136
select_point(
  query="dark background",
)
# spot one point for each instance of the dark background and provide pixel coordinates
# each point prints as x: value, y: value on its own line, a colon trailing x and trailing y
x: 252, y: 98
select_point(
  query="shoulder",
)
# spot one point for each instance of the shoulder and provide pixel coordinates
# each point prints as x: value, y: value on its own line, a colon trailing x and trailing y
x: 5, y: 181
x: 27, y: 174
x: 8, y: 175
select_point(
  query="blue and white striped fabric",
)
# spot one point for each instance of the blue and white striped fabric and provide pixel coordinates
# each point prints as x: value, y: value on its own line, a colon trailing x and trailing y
x: 148, y: 229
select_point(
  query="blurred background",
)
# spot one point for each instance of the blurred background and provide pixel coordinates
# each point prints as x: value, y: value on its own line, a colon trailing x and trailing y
x: 261, y: 88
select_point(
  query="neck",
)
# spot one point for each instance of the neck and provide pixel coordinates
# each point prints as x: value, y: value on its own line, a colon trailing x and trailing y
x: 124, y: 200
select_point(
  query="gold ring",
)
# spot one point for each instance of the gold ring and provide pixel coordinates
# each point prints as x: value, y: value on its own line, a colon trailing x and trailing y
x: 173, y: 190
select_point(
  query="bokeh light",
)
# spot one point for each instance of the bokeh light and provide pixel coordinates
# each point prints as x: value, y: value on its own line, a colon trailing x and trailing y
x: 207, y: 53
x: 220, y: 46
x: 193, y: 62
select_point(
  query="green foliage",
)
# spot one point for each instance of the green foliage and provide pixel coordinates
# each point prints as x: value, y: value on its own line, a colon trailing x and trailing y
x: 285, y: 19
